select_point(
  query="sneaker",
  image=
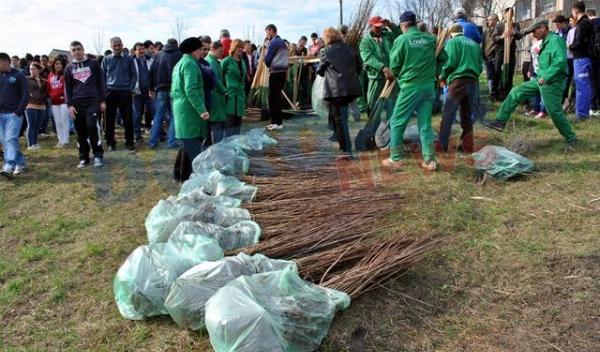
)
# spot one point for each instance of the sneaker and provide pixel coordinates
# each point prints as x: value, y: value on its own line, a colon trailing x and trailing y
x: 429, y: 165
x: 531, y: 113
x: 98, y: 162
x: 270, y: 127
x: 82, y: 164
x: 389, y: 163
x: 43, y: 136
x: 34, y: 147
x: 19, y: 170
x: 278, y: 127
x: 495, y: 125
x: 7, y: 171
x: 540, y: 116
x: 333, y: 138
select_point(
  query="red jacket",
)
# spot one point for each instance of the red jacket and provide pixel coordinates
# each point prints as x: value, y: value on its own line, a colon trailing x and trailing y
x: 56, y: 88
x: 226, y: 46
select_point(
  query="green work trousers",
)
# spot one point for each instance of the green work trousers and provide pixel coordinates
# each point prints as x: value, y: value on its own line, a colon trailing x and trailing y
x: 375, y: 89
x: 551, y: 96
x: 417, y: 99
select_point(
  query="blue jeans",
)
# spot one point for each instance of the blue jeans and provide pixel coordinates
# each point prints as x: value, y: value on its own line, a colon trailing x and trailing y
x: 10, y: 126
x: 163, y: 111
x: 35, y: 118
x: 583, y: 87
x: 139, y: 102
x: 217, y: 131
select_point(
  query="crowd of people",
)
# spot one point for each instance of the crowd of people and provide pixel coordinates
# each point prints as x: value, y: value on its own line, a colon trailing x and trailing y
x: 194, y: 93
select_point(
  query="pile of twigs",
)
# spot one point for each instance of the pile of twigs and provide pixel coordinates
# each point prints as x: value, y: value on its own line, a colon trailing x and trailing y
x: 384, y: 261
x: 359, y: 21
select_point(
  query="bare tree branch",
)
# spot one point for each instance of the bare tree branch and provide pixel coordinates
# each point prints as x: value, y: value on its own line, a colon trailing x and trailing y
x: 98, y: 42
x: 179, y: 29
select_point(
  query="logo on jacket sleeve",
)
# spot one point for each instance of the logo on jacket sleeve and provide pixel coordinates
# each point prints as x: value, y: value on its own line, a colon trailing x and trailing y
x: 82, y: 74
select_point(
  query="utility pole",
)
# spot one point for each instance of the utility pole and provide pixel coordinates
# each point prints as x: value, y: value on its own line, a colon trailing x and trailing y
x: 341, y: 13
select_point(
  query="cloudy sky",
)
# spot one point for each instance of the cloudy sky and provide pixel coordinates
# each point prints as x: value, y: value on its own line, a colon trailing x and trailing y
x: 37, y: 26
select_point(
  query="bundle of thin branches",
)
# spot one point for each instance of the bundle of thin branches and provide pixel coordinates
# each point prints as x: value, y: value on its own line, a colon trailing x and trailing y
x: 276, y: 165
x: 317, y: 238
x: 259, y: 91
x: 386, y: 260
x: 319, y: 267
x: 359, y: 21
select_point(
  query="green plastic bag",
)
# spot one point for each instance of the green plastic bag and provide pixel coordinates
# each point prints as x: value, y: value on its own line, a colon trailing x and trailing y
x: 254, y: 140
x: 190, y: 292
x: 167, y: 214
x: 500, y: 163
x: 143, y: 281
x: 219, y: 185
x: 240, y: 235
x: 274, y: 311
x: 226, y: 158
x: 319, y: 104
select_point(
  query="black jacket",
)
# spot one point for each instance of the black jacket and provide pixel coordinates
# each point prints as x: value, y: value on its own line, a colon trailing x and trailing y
x: 162, y: 67
x: 497, y: 38
x: 583, y: 42
x: 84, y: 80
x: 340, y: 65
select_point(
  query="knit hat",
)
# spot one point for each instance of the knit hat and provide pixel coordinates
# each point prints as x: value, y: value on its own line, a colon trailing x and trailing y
x: 460, y: 13
x: 224, y: 33
x: 190, y: 45
x: 455, y: 28
x: 408, y: 16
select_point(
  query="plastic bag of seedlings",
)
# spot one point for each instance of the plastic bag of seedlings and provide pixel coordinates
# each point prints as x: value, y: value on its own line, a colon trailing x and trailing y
x: 254, y: 140
x: 190, y: 292
x: 240, y: 235
x: 226, y: 158
x: 319, y: 104
x: 500, y: 163
x: 167, y: 214
x: 143, y: 281
x: 274, y: 311
x: 219, y: 185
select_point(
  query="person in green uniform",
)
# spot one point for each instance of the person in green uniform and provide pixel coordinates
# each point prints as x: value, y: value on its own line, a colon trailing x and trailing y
x: 234, y: 71
x: 460, y: 64
x: 189, y: 111
x: 412, y: 61
x: 375, y: 48
x: 218, y: 114
x: 550, y: 83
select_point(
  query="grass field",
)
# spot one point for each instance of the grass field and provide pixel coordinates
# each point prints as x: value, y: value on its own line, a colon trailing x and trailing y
x: 522, y: 275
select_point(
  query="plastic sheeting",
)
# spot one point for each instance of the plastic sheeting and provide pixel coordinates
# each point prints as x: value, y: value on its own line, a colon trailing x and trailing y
x: 217, y: 184
x: 500, y: 163
x: 226, y: 158
x: 242, y: 234
x: 143, y: 281
x: 254, y: 140
x: 319, y: 104
x: 275, y: 311
x: 167, y: 214
x: 190, y: 292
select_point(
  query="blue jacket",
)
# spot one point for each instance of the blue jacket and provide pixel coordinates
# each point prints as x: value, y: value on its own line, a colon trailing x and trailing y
x: 470, y: 30
x: 276, y: 58
x: 119, y: 72
x: 14, y: 92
